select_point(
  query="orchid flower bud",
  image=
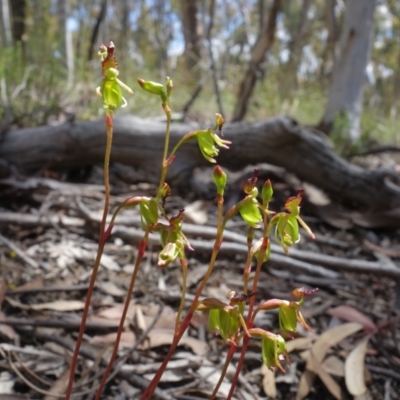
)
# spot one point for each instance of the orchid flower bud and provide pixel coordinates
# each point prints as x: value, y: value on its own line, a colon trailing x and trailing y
x: 154, y: 88
x: 219, y: 178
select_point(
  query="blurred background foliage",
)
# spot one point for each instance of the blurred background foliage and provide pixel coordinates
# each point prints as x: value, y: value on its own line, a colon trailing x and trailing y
x: 49, y: 68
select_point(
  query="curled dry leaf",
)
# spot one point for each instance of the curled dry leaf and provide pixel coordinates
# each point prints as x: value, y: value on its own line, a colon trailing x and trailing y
x: 318, y: 352
x: 6, y: 330
x: 354, y: 369
x: 330, y: 384
x: 128, y: 339
x: 302, y: 343
x: 327, y: 340
x: 334, y: 366
x: 268, y: 381
x: 59, y: 386
x: 350, y: 314
x: 59, y: 305
x: 160, y: 337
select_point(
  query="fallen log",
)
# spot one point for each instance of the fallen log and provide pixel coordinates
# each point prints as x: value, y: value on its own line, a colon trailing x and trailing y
x: 139, y: 143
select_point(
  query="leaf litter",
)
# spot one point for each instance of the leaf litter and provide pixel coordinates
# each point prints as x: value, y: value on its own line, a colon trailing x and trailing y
x: 334, y: 362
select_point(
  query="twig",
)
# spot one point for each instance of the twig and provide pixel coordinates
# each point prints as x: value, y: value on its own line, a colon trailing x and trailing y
x: 55, y: 288
x: 34, y: 387
x: 58, y: 324
x: 289, y: 262
x: 30, y: 261
x: 132, y: 378
x: 384, y: 371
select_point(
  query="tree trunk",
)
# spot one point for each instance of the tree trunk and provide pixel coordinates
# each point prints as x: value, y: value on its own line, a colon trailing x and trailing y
x: 263, y: 43
x: 6, y: 23
x: 213, y: 66
x: 296, y: 49
x: 66, y: 40
x: 192, y: 36
x: 96, y: 29
x: 346, y: 90
x: 18, y: 11
x: 139, y: 143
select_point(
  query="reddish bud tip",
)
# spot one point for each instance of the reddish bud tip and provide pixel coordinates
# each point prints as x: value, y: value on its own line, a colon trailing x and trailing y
x: 301, y: 292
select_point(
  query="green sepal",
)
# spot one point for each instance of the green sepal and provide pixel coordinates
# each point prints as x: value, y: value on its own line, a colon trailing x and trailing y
x: 272, y: 346
x: 206, y: 144
x: 168, y: 236
x: 111, y: 93
x: 149, y: 212
x: 226, y: 322
x: 288, y: 318
x: 251, y: 213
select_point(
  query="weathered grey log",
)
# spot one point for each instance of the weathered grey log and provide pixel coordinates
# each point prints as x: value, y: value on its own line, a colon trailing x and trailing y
x: 139, y: 143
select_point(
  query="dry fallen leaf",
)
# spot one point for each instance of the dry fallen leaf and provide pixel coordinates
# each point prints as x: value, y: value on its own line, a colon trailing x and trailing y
x: 59, y: 386
x: 197, y: 212
x: 115, y: 312
x: 127, y: 340
x: 330, y: 383
x: 334, y: 366
x: 59, y: 305
x: 329, y: 339
x: 268, y: 381
x: 305, y: 384
x: 111, y: 288
x: 302, y: 343
x: 36, y: 283
x: 354, y: 369
x: 317, y: 353
x: 6, y: 330
x: 350, y: 314
x: 160, y: 337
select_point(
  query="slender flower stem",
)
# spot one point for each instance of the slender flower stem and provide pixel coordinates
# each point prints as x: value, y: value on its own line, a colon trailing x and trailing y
x: 185, y: 323
x: 228, y: 359
x: 164, y: 168
x: 140, y: 254
x: 263, y: 250
x: 74, y: 361
x: 183, y: 297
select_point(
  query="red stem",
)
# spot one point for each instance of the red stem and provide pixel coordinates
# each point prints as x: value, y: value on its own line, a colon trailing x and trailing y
x: 140, y: 254
x: 74, y: 361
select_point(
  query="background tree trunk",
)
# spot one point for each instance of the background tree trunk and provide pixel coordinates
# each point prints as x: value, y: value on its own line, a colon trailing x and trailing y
x: 66, y: 40
x: 18, y: 11
x: 296, y: 48
x: 6, y: 23
x: 192, y: 35
x: 96, y: 29
x: 264, y: 42
x: 346, y: 90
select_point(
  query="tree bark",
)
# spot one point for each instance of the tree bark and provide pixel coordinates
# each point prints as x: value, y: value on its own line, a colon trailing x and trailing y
x: 96, y: 29
x: 192, y: 36
x: 139, y: 143
x: 213, y: 66
x: 346, y: 90
x: 18, y: 11
x: 296, y: 49
x: 6, y: 23
x: 263, y: 43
